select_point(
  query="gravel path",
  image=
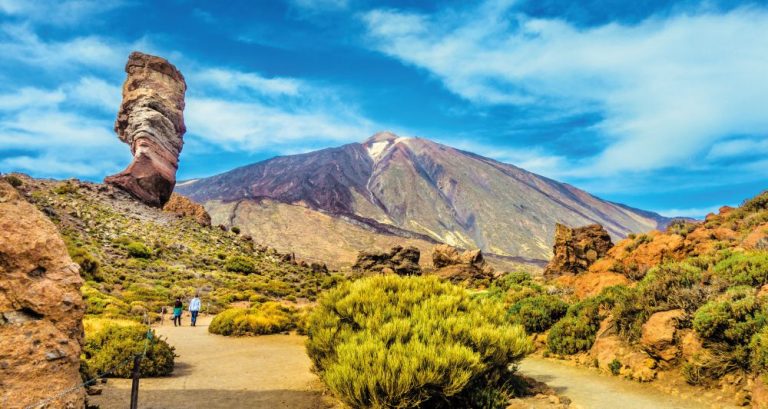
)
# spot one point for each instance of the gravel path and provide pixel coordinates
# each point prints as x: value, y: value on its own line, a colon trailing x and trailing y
x: 588, y: 389
x: 215, y: 372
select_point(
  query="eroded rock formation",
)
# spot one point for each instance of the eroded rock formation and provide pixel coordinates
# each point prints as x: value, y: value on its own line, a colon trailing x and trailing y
x: 41, y: 309
x: 151, y: 121
x: 184, y: 207
x: 576, y: 249
x: 459, y: 266
x: 399, y: 260
x: 658, y: 335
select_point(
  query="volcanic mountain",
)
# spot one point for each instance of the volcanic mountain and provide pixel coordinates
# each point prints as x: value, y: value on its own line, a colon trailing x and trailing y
x: 392, y: 189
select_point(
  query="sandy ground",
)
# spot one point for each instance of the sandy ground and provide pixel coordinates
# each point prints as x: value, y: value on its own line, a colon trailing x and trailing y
x: 588, y: 389
x: 215, y: 372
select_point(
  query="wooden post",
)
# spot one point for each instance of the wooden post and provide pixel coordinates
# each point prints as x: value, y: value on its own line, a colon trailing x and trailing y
x: 135, y: 384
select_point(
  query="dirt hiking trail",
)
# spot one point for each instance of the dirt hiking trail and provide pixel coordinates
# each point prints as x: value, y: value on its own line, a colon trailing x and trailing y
x: 590, y: 390
x: 216, y: 372
x: 273, y: 372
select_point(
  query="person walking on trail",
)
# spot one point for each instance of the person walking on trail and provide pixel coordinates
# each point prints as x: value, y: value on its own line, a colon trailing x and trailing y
x: 178, y: 307
x: 194, y: 308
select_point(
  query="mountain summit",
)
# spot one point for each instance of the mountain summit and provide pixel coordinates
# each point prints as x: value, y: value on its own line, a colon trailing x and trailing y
x: 417, y: 188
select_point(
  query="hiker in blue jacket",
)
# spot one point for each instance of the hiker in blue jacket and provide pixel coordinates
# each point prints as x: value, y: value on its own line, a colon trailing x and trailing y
x: 194, y: 308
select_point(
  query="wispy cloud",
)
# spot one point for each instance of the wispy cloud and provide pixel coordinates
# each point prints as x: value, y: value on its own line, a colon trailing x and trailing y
x: 668, y: 88
x: 57, y: 12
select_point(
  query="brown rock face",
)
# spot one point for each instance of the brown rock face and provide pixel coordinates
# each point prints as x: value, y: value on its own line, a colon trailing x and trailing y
x: 444, y: 255
x: 658, y: 335
x: 151, y: 121
x: 184, y: 207
x: 576, y: 249
x: 399, y: 260
x: 458, y: 266
x: 41, y: 309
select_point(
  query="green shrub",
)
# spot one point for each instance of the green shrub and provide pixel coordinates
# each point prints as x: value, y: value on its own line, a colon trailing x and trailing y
x: 733, y: 320
x: 730, y: 324
x: 13, y: 180
x: 240, y: 264
x: 116, y: 343
x: 410, y: 342
x: 576, y: 332
x: 615, y: 366
x: 268, y: 318
x: 65, y: 188
x: 235, y: 229
x: 750, y: 268
x: 538, y: 313
x: 137, y: 249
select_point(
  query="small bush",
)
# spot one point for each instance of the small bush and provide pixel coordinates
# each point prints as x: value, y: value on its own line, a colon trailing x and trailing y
x: 235, y: 229
x: 137, y: 249
x: 576, y: 332
x: 538, y: 313
x: 267, y: 318
x: 65, y: 188
x: 14, y: 180
x: 729, y: 326
x: 109, y: 344
x: 750, y: 268
x: 240, y: 264
x: 615, y: 366
x: 410, y: 342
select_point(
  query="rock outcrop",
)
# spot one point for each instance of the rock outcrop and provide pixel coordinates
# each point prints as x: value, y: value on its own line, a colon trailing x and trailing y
x: 658, y: 335
x: 41, y: 309
x: 399, y: 260
x: 182, y: 206
x: 151, y: 121
x: 576, y: 249
x: 460, y: 266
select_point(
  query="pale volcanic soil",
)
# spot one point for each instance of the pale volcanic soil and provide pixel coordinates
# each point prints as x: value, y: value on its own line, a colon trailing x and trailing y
x: 216, y: 372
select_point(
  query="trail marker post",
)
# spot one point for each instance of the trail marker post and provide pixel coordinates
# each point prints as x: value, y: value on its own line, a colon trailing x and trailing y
x: 135, y: 383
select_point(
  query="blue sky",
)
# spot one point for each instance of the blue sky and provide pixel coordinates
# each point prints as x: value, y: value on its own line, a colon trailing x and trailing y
x: 661, y: 105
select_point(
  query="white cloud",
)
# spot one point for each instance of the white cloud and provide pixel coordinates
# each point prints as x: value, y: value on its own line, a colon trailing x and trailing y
x: 28, y: 97
x: 57, y: 12
x: 60, y: 142
x: 320, y: 5
x: 20, y: 43
x: 252, y: 125
x: 668, y: 88
x: 695, y: 212
x: 231, y: 80
x: 738, y: 147
x: 95, y: 92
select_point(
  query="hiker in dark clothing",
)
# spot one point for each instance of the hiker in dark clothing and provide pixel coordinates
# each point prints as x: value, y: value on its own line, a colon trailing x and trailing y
x: 178, y: 307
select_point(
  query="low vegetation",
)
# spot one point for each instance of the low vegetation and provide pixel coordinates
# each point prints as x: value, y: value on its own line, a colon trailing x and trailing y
x: 136, y: 260
x: 261, y: 319
x: 110, y: 346
x: 396, y: 342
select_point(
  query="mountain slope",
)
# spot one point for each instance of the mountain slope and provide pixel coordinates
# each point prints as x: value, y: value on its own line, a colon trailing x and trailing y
x: 427, y: 188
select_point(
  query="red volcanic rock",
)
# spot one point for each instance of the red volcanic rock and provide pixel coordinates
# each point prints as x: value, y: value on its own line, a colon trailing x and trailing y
x: 576, y: 249
x: 184, y: 207
x: 41, y: 309
x: 151, y: 121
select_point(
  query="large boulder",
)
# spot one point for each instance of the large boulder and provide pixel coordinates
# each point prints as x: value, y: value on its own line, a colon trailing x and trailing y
x: 183, y: 206
x: 460, y: 266
x: 576, y: 249
x: 399, y: 260
x: 41, y: 309
x: 151, y: 121
x: 444, y: 255
x: 658, y: 335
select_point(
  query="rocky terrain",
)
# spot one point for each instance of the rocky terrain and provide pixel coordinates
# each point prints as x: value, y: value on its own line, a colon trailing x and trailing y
x: 687, y: 305
x: 408, y: 187
x: 136, y: 258
x: 41, y: 309
x: 151, y: 121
